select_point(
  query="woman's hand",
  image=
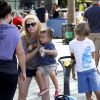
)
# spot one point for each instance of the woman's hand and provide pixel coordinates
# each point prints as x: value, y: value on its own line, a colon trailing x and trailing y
x: 23, y: 76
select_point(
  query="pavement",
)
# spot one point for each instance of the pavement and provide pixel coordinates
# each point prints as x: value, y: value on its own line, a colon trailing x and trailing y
x: 63, y: 50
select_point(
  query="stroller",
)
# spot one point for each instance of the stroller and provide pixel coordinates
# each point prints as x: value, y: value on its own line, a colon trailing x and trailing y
x: 66, y: 62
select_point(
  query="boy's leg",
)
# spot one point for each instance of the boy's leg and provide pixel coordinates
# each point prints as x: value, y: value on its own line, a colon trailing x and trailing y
x: 52, y: 73
x: 94, y: 84
x: 89, y: 96
x: 54, y: 79
x: 51, y: 70
x: 97, y: 95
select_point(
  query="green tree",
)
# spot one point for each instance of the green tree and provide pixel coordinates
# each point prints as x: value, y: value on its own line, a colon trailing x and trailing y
x: 62, y: 3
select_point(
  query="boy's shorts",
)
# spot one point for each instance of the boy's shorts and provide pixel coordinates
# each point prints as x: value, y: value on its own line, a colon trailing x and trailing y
x: 48, y: 69
x: 88, y: 81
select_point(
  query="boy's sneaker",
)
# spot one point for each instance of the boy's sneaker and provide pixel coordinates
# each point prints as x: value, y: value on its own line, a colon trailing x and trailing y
x: 43, y: 91
x: 57, y: 92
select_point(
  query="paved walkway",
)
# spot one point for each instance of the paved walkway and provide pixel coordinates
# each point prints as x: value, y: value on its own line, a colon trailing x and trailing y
x: 63, y: 50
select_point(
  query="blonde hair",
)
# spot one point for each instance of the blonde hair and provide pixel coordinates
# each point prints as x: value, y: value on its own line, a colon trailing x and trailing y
x: 82, y: 29
x: 37, y: 23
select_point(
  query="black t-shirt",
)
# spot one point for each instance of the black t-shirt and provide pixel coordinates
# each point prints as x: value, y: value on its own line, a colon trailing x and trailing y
x: 56, y: 14
x: 40, y: 12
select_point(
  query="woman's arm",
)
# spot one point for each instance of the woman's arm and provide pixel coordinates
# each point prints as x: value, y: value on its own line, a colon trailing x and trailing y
x: 30, y: 55
x: 21, y: 57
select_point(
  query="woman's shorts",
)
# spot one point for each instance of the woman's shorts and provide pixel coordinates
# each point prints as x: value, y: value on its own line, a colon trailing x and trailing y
x: 88, y: 81
x: 29, y: 72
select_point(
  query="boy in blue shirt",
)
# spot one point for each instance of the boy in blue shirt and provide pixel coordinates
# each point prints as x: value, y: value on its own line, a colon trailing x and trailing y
x: 47, y: 62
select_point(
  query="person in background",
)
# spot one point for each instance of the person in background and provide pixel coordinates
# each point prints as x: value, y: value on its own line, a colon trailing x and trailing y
x: 32, y: 29
x: 83, y: 50
x: 42, y: 14
x: 10, y: 47
x: 55, y: 11
x: 92, y: 16
x: 18, y: 22
x: 47, y: 62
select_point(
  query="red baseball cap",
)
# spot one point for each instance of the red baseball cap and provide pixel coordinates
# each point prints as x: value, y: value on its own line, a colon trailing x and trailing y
x: 17, y: 20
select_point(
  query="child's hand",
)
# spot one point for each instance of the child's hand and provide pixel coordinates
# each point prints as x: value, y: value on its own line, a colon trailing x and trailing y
x: 30, y: 47
x: 74, y: 76
x: 42, y: 51
x: 98, y: 72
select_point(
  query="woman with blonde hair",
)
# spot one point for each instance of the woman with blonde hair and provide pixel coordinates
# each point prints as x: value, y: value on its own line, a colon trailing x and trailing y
x: 32, y: 28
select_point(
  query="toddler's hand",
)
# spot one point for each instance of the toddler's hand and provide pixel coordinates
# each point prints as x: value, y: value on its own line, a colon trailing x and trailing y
x: 30, y: 47
x: 42, y: 51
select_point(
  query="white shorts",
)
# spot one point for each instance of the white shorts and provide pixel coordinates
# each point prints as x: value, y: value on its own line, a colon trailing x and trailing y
x: 48, y: 69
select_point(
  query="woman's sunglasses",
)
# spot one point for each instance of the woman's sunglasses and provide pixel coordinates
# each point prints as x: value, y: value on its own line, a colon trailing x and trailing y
x: 31, y: 24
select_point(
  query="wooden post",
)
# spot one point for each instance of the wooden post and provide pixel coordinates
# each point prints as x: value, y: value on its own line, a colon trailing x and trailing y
x: 71, y: 11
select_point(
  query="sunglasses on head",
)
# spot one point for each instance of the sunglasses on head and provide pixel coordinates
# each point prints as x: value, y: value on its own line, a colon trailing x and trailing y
x: 31, y: 24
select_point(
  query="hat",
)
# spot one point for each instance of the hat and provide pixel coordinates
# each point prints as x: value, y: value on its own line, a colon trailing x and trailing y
x: 18, y: 20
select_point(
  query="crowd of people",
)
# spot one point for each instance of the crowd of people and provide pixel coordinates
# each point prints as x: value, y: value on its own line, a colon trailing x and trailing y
x: 27, y: 51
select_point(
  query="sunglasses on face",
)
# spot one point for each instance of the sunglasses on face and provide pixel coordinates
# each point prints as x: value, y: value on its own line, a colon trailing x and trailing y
x: 31, y: 24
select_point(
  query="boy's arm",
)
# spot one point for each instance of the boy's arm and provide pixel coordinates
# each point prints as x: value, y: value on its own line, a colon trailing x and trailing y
x: 73, y: 67
x: 51, y: 52
x: 93, y: 55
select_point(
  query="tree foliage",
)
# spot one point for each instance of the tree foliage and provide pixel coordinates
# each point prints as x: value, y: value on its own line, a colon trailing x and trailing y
x: 62, y: 3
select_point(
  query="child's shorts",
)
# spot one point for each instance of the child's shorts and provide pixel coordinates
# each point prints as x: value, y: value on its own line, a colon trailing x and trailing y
x: 47, y: 69
x: 88, y: 81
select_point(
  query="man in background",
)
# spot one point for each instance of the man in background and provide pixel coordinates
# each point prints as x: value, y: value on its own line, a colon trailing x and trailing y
x: 92, y: 15
x: 42, y: 14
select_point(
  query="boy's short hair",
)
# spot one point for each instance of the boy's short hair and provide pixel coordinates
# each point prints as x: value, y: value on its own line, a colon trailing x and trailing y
x: 49, y: 31
x: 82, y: 29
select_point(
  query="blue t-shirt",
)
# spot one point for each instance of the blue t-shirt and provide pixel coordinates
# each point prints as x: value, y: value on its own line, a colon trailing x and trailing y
x: 47, y: 59
x: 93, y: 15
